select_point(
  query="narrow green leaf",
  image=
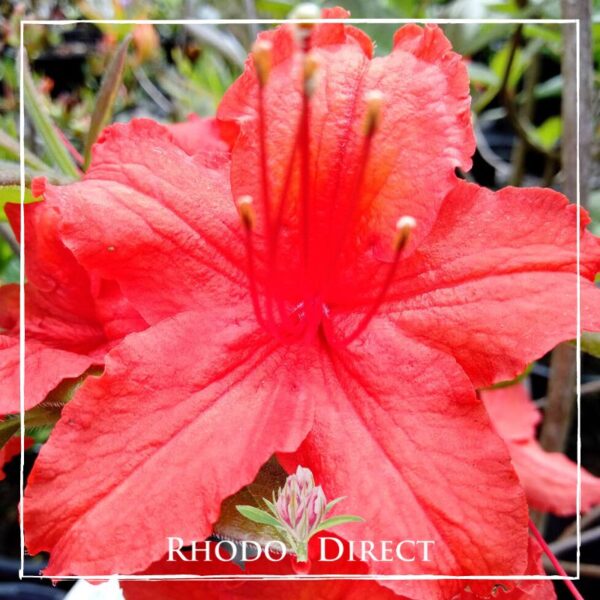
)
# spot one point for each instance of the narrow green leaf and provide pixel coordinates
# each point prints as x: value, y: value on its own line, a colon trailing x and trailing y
x: 11, y: 146
x: 34, y: 105
x: 258, y: 516
x: 549, y: 132
x: 590, y: 343
x: 106, y: 98
x: 270, y: 505
x: 12, y: 194
x: 339, y: 520
x: 331, y: 504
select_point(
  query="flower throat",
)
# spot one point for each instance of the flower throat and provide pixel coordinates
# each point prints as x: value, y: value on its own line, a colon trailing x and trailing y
x: 309, y: 316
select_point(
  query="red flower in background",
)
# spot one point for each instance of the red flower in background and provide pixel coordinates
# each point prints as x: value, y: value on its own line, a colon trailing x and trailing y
x: 549, y: 478
x: 343, y: 325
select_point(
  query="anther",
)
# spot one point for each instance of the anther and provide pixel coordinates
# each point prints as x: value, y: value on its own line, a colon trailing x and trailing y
x: 305, y: 11
x: 311, y: 64
x: 374, y: 100
x: 404, y: 227
x: 246, y: 210
x: 262, y: 55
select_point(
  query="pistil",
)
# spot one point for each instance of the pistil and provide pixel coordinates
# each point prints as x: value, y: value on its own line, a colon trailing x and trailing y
x: 404, y: 227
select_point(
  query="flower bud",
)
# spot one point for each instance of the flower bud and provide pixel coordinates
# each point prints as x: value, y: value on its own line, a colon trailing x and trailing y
x: 301, y: 505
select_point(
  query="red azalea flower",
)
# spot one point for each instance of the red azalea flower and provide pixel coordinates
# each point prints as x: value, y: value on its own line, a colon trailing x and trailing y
x: 72, y: 318
x: 324, y: 327
x: 549, y: 478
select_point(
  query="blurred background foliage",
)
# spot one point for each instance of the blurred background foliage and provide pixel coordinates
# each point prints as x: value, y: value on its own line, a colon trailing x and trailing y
x: 82, y: 76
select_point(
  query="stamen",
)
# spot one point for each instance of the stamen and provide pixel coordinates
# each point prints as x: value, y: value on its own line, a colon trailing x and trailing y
x: 404, y: 227
x: 246, y: 210
x: 305, y: 11
x: 311, y: 65
x: 262, y: 55
x: 247, y: 217
x: 372, y: 120
x: 374, y: 100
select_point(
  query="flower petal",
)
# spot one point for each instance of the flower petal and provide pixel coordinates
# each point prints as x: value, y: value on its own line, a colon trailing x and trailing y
x: 549, y: 478
x: 404, y: 438
x: 155, y: 220
x: 426, y: 96
x: 532, y: 589
x: 70, y: 318
x: 45, y: 368
x: 495, y: 283
x: 185, y: 414
x: 198, y: 134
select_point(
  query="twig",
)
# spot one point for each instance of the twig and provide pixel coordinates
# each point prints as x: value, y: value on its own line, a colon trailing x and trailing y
x: 519, y: 153
x: 562, y: 377
x: 521, y: 127
x: 559, y: 406
x: 577, y: 9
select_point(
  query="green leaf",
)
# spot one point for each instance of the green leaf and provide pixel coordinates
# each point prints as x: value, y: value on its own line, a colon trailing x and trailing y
x: 590, y: 343
x: 11, y: 146
x: 545, y: 32
x: 339, y: 520
x: 331, y: 504
x: 499, y: 63
x: 258, y: 516
x: 549, y: 132
x: 106, y: 98
x: 482, y: 74
x: 35, y: 107
x: 551, y: 88
x: 12, y: 193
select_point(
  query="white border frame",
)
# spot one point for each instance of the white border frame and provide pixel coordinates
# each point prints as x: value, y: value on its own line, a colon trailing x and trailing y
x: 22, y: 575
